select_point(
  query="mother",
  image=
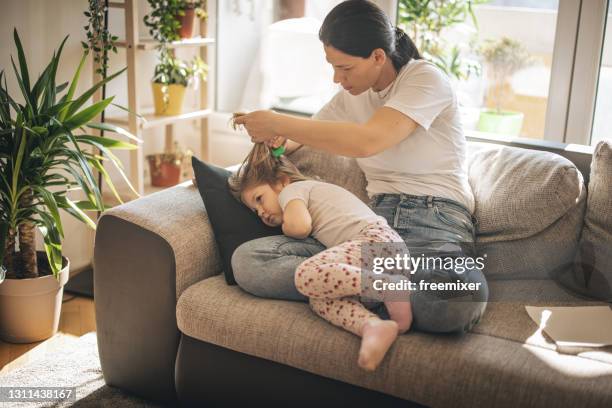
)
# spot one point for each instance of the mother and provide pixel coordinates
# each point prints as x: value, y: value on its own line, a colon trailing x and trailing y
x: 398, y: 116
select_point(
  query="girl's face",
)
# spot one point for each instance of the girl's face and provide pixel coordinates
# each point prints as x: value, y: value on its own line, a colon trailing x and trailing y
x: 355, y: 74
x: 263, y: 200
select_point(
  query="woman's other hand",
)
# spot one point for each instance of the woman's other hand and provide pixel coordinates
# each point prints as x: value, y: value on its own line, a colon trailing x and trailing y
x: 259, y: 125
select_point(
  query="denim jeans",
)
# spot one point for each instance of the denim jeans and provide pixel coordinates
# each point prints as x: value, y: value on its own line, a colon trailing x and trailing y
x: 430, y: 226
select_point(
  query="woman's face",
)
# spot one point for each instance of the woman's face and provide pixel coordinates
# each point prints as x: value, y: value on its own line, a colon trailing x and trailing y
x: 355, y: 74
x: 263, y: 200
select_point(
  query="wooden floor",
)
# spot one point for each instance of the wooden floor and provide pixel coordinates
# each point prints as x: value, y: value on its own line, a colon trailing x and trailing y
x: 77, y: 318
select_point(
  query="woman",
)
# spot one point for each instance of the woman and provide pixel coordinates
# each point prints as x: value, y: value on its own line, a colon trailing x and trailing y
x: 398, y: 116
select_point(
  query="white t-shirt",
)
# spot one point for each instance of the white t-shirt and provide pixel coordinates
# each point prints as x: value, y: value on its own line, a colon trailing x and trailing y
x: 431, y: 160
x: 337, y: 215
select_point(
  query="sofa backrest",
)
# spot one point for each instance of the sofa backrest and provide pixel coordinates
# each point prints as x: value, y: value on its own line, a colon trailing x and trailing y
x: 529, y: 203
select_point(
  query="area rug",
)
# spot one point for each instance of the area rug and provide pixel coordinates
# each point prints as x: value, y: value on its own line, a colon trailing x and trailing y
x: 75, y: 365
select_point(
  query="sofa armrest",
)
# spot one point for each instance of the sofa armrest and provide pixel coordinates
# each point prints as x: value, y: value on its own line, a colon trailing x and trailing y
x: 147, y: 252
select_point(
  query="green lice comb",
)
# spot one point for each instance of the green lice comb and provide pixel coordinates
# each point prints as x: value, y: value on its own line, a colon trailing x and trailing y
x: 279, y: 151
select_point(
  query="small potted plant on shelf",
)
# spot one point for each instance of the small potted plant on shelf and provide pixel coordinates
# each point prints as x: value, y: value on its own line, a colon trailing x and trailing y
x: 166, y: 168
x: 186, y: 17
x: 44, y: 155
x: 171, y: 20
x: 504, y: 57
x: 171, y: 78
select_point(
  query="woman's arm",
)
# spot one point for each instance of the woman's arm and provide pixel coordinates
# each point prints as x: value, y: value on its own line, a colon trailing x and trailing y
x: 297, y: 222
x: 386, y: 128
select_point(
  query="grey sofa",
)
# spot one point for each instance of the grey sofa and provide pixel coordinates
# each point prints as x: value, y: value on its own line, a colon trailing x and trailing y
x: 170, y: 330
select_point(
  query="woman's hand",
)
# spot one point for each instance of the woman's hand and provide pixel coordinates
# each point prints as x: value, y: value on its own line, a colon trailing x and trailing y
x: 260, y: 125
x: 276, y: 142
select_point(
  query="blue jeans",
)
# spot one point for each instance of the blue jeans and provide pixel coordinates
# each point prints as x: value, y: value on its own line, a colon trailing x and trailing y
x: 430, y: 226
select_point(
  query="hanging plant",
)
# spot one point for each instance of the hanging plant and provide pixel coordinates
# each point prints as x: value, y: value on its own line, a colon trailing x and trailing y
x: 99, y: 39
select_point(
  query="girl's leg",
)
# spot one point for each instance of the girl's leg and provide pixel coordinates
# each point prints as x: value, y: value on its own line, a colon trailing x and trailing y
x: 266, y: 266
x: 332, y: 279
x: 385, y: 239
x: 336, y: 273
x: 377, y: 335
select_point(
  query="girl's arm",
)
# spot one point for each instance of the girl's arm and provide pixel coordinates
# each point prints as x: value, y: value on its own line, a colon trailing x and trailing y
x: 297, y: 222
x: 386, y: 128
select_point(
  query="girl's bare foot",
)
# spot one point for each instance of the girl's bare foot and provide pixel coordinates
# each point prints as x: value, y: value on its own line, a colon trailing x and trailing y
x: 377, y: 336
x: 401, y: 313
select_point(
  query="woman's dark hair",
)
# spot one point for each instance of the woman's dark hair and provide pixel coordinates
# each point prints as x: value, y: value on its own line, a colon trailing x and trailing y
x: 358, y: 27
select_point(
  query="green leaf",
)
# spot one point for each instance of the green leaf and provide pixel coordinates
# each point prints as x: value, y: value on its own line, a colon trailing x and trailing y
x: 17, y: 165
x: 22, y: 63
x: 108, y: 180
x: 25, y: 92
x: 113, y: 128
x: 61, y: 87
x: 76, y: 105
x: 107, y: 142
x: 73, y: 86
x: 78, y: 212
x: 127, y: 110
x: 51, y: 204
x: 81, y: 118
x: 4, y: 227
x: 53, y: 246
x: 78, y: 155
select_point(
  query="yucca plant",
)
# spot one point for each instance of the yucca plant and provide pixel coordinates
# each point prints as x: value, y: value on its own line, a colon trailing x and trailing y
x: 42, y: 158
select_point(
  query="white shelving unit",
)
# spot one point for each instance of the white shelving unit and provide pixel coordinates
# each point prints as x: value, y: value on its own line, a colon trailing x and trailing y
x: 133, y: 47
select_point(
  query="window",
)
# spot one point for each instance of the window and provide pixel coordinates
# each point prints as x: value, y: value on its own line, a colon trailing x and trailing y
x: 603, y: 105
x: 269, y: 55
x: 502, y: 73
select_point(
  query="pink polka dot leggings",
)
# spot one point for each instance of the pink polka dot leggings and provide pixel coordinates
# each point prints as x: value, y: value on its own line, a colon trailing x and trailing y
x: 332, y: 279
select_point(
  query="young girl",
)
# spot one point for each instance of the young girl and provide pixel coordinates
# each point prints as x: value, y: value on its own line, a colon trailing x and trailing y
x: 281, y: 196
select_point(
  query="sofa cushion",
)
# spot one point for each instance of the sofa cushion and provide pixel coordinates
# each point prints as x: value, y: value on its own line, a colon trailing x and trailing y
x: 232, y: 223
x: 592, y: 274
x: 520, y: 192
x: 529, y: 210
x: 474, y: 370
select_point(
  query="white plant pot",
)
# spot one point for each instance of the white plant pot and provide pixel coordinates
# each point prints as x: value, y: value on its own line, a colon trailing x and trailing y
x: 30, y: 308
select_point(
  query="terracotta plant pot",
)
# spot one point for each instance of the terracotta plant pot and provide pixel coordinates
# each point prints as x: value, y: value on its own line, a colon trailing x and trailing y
x: 30, y: 308
x: 186, y: 30
x: 176, y: 94
x: 165, y: 169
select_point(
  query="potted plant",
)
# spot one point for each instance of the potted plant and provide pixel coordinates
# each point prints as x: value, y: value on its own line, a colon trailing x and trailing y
x: 187, y: 15
x: 504, y: 57
x: 425, y: 20
x: 171, y: 20
x: 166, y: 168
x: 43, y: 156
x: 171, y: 77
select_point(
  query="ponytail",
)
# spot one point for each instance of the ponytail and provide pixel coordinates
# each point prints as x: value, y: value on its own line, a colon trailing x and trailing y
x: 405, y: 50
x: 261, y: 167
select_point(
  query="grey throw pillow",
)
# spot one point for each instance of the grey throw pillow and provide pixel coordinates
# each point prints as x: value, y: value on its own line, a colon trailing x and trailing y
x: 592, y: 273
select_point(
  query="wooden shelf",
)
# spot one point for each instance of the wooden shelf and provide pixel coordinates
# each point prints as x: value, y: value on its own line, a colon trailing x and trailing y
x: 136, y: 125
x: 150, y: 44
x: 151, y: 120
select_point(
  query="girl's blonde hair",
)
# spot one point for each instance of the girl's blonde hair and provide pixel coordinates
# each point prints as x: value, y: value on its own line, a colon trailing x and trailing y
x: 260, y: 167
